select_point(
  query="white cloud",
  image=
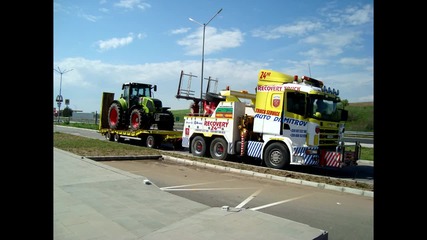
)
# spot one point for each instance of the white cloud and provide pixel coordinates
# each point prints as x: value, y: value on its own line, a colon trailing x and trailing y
x: 351, y: 15
x: 180, y: 30
x: 131, y: 4
x: 104, y: 45
x: 104, y: 10
x: 355, y: 61
x: 330, y: 44
x: 90, y: 18
x: 141, y: 35
x: 357, y: 16
x: 214, y: 41
x: 298, y: 29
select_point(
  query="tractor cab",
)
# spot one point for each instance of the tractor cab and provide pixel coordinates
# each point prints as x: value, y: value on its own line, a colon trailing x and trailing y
x: 133, y: 91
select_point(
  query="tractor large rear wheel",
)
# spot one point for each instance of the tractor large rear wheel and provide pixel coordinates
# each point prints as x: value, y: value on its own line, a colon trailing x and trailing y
x: 115, y: 116
x: 139, y: 120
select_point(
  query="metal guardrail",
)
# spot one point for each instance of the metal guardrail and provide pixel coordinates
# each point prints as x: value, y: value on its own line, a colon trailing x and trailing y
x: 362, y: 137
x: 359, y: 134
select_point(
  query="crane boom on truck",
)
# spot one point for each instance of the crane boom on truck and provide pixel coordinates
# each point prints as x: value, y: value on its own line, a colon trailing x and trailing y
x: 290, y: 120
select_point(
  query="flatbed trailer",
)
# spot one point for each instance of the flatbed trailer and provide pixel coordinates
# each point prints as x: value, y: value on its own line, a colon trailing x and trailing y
x: 151, y: 138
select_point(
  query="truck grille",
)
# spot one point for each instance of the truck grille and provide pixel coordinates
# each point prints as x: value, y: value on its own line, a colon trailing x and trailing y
x: 329, y: 137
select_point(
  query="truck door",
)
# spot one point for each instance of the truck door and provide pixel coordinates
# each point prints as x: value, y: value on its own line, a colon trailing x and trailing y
x: 294, y: 122
x: 269, y: 109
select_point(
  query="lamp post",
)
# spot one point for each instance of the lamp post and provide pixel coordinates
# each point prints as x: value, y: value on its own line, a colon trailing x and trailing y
x: 59, y: 98
x: 203, y: 55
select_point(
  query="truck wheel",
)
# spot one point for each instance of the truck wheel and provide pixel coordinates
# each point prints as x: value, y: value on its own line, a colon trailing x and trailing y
x: 115, y: 116
x: 276, y: 156
x: 219, y: 149
x: 198, y: 146
x: 150, y: 141
x: 138, y: 120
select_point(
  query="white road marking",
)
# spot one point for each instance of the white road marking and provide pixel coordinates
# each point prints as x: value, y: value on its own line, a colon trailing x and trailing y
x: 200, y: 189
x: 249, y: 199
x: 277, y: 203
x: 180, y: 187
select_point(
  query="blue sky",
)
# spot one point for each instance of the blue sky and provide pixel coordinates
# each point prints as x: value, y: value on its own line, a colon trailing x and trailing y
x: 100, y: 44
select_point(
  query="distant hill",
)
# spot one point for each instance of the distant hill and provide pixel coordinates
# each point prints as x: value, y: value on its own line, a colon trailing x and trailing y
x: 360, y: 117
x: 361, y: 104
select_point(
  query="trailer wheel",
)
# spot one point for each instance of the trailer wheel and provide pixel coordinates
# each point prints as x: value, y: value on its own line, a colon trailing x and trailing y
x: 109, y: 136
x: 198, y: 146
x: 150, y: 141
x: 276, y: 156
x: 117, y: 138
x: 219, y: 149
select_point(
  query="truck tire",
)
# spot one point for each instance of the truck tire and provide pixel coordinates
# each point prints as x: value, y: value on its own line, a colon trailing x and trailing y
x: 151, y: 141
x: 115, y: 116
x: 198, y: 146
x: 219, y: 149
x: 276, y: 155
x: 138, y: 120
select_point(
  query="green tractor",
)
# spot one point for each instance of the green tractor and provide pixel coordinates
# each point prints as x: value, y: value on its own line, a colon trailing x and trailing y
x: 138, y: 109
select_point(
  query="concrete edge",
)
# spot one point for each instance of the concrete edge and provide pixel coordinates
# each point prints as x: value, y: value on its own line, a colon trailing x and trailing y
x: 100, y: 164
x: 124, y: 158
x: 273, y: 177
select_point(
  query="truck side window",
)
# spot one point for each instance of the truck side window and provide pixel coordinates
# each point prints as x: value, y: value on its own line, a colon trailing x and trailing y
x: 295, y: 103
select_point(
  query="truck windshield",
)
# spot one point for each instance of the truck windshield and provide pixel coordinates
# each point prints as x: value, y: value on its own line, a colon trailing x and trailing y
x: 324, y: 108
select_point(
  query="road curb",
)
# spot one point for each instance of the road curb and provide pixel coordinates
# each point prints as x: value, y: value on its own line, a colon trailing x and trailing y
x: 273, y: 177
x: 124, y: 158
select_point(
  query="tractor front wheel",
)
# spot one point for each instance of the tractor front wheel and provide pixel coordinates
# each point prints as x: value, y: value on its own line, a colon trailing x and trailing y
x: 139, y: 120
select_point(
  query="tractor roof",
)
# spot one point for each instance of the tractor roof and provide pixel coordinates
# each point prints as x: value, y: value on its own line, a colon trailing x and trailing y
x: 137, y: 84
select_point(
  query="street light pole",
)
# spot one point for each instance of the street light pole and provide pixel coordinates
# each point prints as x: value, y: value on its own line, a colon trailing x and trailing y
x: 203, y: 56
x: 59, y: 98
